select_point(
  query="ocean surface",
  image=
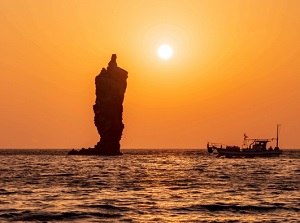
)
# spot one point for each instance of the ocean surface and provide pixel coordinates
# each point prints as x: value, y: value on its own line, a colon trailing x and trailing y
x: 148, y: 186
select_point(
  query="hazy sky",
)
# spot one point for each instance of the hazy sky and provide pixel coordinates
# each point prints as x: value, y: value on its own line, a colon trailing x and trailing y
x: 235, y: 70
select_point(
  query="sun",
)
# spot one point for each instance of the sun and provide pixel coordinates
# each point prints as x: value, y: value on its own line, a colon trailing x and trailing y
x: 165, y: 51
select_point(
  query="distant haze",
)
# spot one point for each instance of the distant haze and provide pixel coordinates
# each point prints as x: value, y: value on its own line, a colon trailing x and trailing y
x: 235, y: 69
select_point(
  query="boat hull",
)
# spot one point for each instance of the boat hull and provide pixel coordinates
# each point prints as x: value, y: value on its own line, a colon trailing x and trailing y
x: 267, y: 153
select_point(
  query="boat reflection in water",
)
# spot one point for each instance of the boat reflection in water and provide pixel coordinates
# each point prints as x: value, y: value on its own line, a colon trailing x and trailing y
x: 250, y: 148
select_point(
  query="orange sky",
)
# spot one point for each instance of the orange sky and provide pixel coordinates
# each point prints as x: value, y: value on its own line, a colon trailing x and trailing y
x: 235, y: 69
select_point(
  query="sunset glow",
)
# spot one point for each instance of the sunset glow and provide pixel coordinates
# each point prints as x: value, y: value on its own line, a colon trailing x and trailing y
x: 235, y: 69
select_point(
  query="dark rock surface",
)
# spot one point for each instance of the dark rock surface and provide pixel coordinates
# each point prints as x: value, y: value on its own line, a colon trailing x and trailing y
x: 110, y: 89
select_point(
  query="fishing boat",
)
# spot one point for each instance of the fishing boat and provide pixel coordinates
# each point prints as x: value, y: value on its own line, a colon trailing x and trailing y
x: 251, y: 148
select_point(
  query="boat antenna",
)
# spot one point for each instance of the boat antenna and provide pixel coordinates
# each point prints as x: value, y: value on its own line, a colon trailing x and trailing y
x: 245, y: 140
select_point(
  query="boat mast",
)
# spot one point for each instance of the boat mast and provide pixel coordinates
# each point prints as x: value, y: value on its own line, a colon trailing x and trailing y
x: 277, y: 135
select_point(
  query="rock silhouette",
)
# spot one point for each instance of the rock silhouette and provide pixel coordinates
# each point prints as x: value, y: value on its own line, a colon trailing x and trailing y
x: 111, y: 85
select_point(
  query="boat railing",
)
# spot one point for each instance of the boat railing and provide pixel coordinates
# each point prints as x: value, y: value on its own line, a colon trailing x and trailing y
x: 216, y: 145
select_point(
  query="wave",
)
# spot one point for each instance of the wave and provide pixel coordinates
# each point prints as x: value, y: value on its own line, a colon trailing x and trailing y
x: 105, y: 207
x: 42, y: 216
x: 231, y: 207
x: 6, y: 192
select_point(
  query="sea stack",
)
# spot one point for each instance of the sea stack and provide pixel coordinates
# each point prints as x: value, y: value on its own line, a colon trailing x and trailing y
x: 111, y: 85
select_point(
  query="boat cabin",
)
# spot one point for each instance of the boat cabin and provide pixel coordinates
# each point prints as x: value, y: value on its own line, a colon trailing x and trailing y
x: 259, y: 144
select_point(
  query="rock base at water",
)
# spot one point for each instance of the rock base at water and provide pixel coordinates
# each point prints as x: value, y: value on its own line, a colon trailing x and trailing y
x: 92, y: 152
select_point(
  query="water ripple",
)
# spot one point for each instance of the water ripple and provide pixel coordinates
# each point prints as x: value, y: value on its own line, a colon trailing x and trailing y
x: 147, y: 186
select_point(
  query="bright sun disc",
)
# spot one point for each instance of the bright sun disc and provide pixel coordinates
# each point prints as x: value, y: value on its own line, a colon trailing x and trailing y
x: 165, y: 52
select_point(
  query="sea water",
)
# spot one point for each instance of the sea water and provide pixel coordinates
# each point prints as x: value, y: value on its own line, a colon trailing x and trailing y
x: 148, y: 186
